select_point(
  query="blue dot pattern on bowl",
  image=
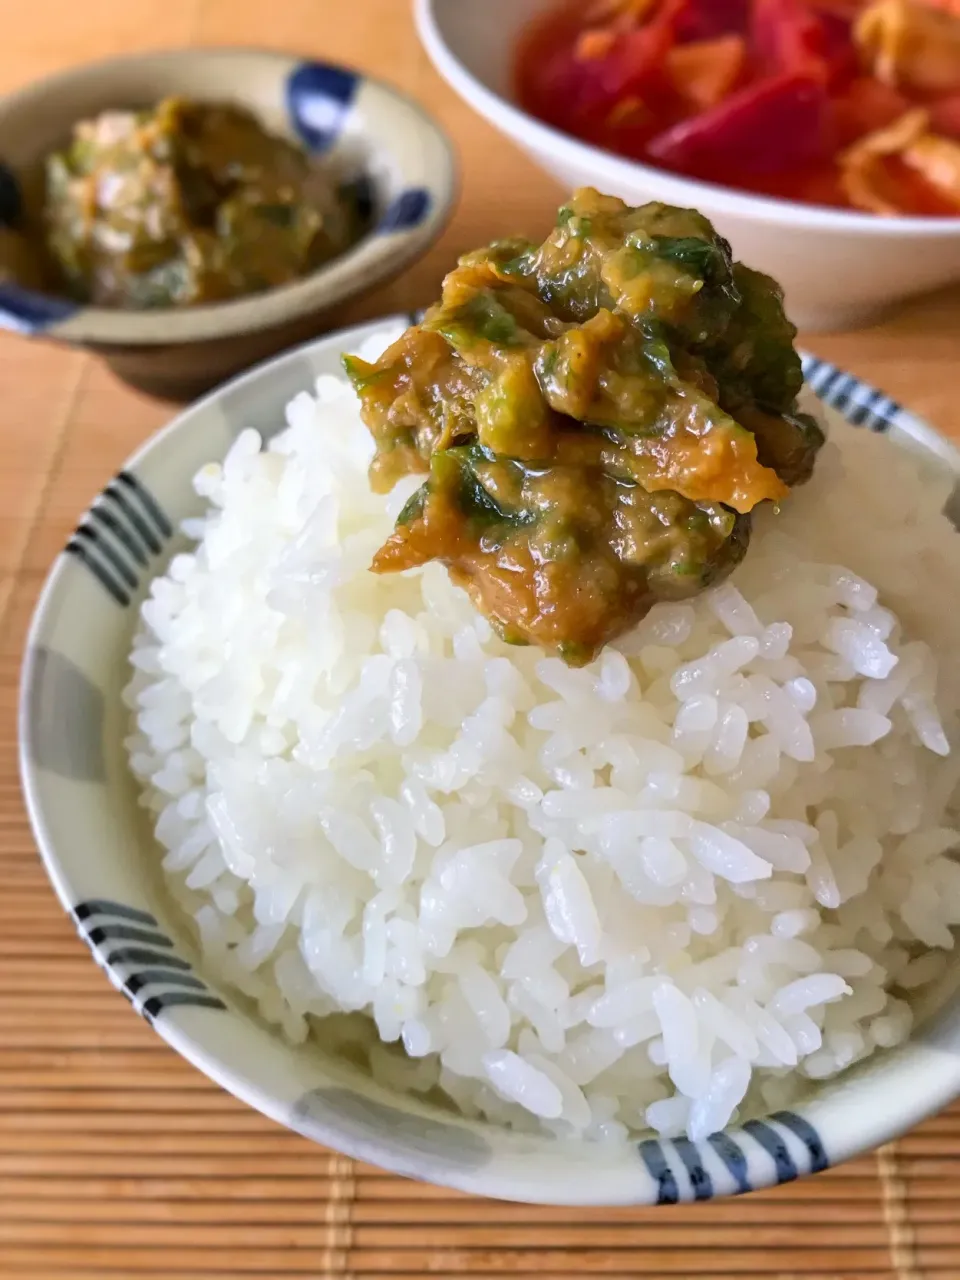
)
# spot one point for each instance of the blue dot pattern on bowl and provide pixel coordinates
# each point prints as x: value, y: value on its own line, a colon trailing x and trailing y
x: 407, y: 210
x: 139, y: 958
x: 121, y: 532
x: 318, y: 99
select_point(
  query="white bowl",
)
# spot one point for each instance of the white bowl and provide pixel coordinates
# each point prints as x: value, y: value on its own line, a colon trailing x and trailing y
x: 837, y: 268
x: 104, y: 865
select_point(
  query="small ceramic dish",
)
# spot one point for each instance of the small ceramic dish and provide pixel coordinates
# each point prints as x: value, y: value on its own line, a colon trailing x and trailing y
x: 105, y: 867
x: 374, y: 138
x: 838, y: 268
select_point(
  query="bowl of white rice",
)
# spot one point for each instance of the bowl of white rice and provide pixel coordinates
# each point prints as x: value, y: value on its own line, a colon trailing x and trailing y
x: 676, y: 924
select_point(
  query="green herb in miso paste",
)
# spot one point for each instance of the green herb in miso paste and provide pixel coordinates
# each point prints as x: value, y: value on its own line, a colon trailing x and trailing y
x: 595, y: 416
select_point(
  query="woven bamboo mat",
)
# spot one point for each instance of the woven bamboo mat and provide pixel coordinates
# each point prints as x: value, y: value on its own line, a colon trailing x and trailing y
x: 117, y: 1159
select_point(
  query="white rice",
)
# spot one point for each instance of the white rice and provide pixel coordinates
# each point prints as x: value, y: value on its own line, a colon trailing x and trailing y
x: 660, y: 891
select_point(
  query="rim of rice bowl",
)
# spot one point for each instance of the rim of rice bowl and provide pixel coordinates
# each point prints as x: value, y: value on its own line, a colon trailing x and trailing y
x: 661, y: 895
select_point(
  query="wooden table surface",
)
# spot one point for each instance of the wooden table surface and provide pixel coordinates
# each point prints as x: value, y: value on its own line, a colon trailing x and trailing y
x: 116, y: 1158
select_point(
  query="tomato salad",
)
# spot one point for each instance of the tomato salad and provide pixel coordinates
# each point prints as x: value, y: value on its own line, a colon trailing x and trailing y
x: 847, y: 103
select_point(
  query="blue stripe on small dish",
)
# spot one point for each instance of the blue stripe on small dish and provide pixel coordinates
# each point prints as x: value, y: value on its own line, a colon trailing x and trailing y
x: 318, y: 99
x: 406, y: 210
x: 861, y: 404
x: 144, y: 966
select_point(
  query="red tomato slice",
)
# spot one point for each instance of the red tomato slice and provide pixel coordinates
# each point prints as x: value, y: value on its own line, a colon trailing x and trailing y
x: 787, y: 36
x: 839, y: 50
x: 813, y: 184
x: 705, y: 71
x: 635, y: 64
x: 579, y: 92
x: 945, y: 115
x: 793, y: 36
x: 865, y: 106
x: 769, y: 126
x: 707, y: 19
x: 848, y: 9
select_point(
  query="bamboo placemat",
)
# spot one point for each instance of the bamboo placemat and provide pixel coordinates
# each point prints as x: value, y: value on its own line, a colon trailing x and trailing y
x: 117, y: 1159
